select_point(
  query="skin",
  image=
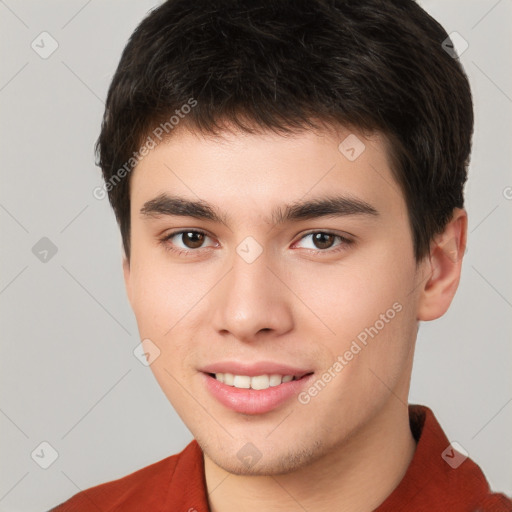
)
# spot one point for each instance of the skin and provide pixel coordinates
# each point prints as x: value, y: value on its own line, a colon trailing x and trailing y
x: 351, y: 444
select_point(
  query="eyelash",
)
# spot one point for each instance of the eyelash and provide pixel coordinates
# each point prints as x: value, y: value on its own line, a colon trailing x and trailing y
x: 190, y: 252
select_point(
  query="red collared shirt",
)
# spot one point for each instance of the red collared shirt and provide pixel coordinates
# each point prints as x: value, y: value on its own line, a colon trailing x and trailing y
x: 430, y: 483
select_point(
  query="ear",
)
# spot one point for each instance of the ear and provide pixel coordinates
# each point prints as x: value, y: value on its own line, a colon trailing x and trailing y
x: 127, y: 278
x: 444, y: 264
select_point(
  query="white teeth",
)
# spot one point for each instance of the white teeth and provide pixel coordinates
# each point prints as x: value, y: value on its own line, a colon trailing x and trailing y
x: 258, y: 382
x: 275, y: 380
x: 242, y: 381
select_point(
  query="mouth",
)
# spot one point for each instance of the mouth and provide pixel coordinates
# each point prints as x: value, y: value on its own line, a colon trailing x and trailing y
x: 258, y: 382
x: 255, y: 394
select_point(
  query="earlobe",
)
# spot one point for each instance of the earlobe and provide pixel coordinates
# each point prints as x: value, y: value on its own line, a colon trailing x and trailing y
x: 443, y: 267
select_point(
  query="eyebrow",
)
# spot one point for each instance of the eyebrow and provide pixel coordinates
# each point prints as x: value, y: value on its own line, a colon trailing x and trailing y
x: 330, y: 206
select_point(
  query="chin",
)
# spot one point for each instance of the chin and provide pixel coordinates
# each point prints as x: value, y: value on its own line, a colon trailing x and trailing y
x: 269, y: 461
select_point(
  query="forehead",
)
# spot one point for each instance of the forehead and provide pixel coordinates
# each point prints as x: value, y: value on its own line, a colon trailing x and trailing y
x: 250, y: 172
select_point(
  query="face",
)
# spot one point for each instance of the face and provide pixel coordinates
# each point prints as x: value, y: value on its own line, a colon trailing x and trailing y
x: 260, y: 282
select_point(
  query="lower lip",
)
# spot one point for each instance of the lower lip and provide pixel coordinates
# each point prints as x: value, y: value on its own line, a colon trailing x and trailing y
x: 254, y: 401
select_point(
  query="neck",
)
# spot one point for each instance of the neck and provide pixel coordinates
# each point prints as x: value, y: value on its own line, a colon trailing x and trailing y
x: 356, y: 476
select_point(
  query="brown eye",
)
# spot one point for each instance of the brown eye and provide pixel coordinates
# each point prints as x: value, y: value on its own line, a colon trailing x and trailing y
x: 185, y: 241
x: 192, y: 239
x: 323, y: 240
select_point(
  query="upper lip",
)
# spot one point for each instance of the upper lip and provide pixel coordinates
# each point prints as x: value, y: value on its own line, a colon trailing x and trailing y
x: 255, y: 369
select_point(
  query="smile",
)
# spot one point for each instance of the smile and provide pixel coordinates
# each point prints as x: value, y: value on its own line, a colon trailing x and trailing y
x: 258, y: 382
x: 256, y: 394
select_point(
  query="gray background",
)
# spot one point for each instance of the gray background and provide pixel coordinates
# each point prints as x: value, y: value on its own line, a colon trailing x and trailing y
x: 69, y: 376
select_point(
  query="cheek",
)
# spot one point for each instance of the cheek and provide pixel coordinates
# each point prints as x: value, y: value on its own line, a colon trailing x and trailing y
x: 160, y: 306
x: 160, y: 297
x: 371, y: 320
x: 166, y: 303
x: 347, y: 298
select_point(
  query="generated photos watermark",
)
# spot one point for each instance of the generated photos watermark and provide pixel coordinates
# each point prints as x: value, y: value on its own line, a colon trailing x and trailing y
x: 357, y: 345
x: 159, y: 133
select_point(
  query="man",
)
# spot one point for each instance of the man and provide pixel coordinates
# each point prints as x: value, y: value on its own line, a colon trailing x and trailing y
x: 288, y: 181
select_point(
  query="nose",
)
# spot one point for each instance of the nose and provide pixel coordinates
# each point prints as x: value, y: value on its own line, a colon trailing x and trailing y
x: 253, y: 300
